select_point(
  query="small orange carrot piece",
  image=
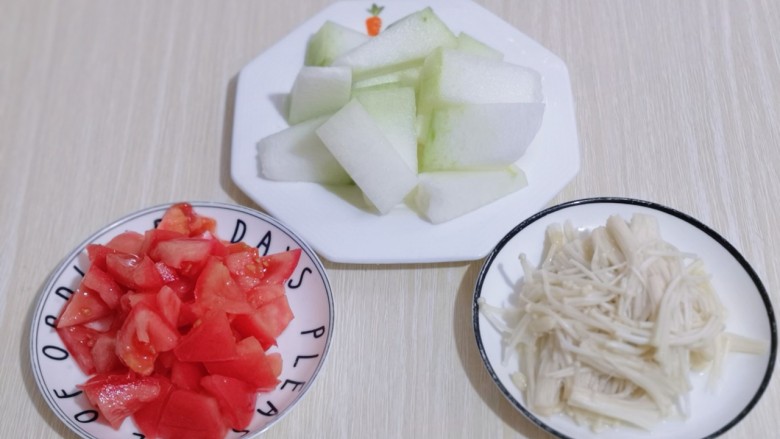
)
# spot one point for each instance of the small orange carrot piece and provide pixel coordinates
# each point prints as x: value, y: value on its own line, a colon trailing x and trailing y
x: 374, y: 22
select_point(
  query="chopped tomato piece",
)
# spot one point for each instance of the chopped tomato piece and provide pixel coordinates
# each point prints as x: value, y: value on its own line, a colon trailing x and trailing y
x: 97, y: 254
x: 169, y: 305
x: 266, y: 323
x: 131, y: 300
x: 275, y: 360
x: 211, y: 340
x: 127, y: 242
x: 236, y: 399
x: 119, y: 396
x: 263, y: 294
x: 146, y: 275
x: 189, y: 314
x: 182, y: 218
x: 191, y: 415
x: 251, y: 269
x: 103, y: 353
x: 187, y: 375
x: 188, y: 255
x: 143, y: 335
x: 167, y: 273
x: 121, y: 267
x: 155, y: 236
x: 99, y: 281
x: 79, y: 340
x: 280, y: 266
x: 82, y: 307
x: 148, y: 417
x: 176, y: 219
x: 152, y: 328
x: 184, y: 288
x: 251, y: 366
x: 215, y: 289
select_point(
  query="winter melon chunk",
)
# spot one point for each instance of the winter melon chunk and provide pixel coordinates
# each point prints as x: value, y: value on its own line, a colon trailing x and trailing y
x: 394, y: 109
x: 403, y: 44
x: 442, y: 196
x: 469, y: 44
x: 480, y: 136
x: 297, y: 154
x: 331, y: 41
x: 358, y: 144
x: 318, y: 91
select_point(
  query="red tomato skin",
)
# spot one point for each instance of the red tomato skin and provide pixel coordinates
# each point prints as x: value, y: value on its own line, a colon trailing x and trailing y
x: 154, y: 237
x: 177, y: 219
x: 250, y: 269
x: 251, y: 366
x: 99, y: 281
x: 82, y: 307
x: 266, y: 323
x: 148, y: 417
x: 280, y: 266
x: 182, y: 218
x: 187, y: 375
x: 118, y: 396
x: 97, y: 255
x: 264, y: 294
x: 236, y: 399
x: 146, y: 276
x: 191, y: 415
x: 127, y: 242
x: 78, y: 341
x: 121, y: 267
x: 209, y: 340
x: 189, y: 314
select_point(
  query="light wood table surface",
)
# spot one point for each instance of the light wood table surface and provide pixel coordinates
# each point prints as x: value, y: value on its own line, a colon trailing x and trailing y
x: 110, y: 107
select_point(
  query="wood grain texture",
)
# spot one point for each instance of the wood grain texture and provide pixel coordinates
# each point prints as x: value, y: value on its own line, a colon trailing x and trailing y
x: 109, y: 107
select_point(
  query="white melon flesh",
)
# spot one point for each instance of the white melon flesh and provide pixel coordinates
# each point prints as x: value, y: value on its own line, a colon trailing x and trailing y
x: 469, y: 44
x: 394, y: 110
x: 331, y: 41
x: 297, y: 154
x: 442, y: 196
x: 455, y: 77
x: 480, y: 136
x: 408, y: 77
x: 357, y: 142
x: 403, y: 44
x: 319, y: 91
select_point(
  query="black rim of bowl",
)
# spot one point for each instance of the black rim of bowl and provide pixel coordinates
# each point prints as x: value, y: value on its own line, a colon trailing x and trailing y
x: 648, y: 204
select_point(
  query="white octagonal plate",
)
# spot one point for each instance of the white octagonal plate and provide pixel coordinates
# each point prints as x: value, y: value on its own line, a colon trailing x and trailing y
x: 331, y: 219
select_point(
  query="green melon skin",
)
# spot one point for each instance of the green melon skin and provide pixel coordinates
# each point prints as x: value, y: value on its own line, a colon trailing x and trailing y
x: 331, y: 41
x: 403, y: 44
